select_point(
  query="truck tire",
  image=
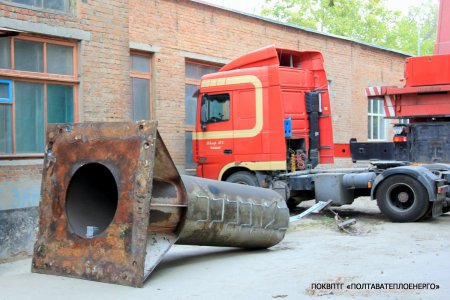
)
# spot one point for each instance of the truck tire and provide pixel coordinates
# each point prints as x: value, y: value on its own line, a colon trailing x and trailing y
x: 243, y: 177
x: 293, y: 202
x: 429, y: 213
x: 402, y: 198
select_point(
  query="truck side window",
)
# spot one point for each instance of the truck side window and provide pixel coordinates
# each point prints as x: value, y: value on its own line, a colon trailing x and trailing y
x: 215, y: 108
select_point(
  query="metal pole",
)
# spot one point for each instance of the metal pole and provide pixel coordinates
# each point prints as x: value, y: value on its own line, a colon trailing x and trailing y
x: 419, y: 37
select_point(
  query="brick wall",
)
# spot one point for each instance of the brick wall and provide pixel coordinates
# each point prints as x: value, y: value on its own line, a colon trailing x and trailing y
x: 19, y: 172
x: 106, y: 84
x: 183, y: 25
x: 193, y: 27
x: 103, y: 62
x: 104, y: 93
x: 173, y: 27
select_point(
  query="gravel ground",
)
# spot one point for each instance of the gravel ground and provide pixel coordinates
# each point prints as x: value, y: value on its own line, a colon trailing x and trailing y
x: 315, y: 261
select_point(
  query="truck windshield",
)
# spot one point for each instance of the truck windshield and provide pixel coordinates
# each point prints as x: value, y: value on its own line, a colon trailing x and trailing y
x: 215, y: 108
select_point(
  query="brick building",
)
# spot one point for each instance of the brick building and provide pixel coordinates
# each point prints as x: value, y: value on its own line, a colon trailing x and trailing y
x: 123, y: 60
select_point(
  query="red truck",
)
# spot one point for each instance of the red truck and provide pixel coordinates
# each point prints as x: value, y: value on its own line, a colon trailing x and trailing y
x: 423, y: 101
x: 265, y: 120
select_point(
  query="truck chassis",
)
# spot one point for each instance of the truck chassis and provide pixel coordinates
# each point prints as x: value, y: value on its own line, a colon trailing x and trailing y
x: 404, y: 193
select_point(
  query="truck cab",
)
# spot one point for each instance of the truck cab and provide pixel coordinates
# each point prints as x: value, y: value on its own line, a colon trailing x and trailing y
x: 263, y: 113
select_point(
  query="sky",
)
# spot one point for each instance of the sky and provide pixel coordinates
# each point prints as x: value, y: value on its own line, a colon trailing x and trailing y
x: 252, y: 6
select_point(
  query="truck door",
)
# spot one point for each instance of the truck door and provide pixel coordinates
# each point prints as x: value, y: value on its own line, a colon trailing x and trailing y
x: 244, y: 119
x: 215, y: 142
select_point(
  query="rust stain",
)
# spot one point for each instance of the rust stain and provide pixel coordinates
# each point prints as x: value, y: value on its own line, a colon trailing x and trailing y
x: 123, y: 149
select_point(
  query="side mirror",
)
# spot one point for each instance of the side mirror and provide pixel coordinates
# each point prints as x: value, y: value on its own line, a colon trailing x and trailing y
x: 204, y: 111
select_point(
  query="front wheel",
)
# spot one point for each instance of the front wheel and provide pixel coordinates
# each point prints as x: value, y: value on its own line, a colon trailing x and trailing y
x: 402, y: 198
x: 245, y: 178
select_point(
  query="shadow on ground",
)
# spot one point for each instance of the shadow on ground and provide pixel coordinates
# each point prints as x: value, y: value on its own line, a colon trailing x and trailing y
x: 344, y: 212
x: 369, y: 212
x: 198, y: 255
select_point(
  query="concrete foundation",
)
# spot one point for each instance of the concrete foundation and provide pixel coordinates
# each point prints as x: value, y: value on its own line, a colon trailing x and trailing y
x: 17, y: 232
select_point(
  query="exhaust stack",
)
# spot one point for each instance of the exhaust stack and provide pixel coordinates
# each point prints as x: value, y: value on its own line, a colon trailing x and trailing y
x: 113, y: 203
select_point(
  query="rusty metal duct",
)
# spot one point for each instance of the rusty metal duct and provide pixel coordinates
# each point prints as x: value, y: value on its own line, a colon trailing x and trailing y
x: 113, y: 203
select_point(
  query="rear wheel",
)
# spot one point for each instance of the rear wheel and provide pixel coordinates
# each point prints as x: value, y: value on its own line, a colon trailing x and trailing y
x: 243, y: 177
x: 298, y: 197
x: 293, y: 202
x: 402, y: 198
x: 429, y: 212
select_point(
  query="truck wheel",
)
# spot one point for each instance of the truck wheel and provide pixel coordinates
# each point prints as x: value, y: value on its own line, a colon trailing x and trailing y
x: 402, y: 199
x: 243, y: 177
x: 293, y: 202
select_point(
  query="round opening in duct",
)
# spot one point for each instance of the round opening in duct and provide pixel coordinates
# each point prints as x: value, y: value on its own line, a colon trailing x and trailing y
x: 91, y: 200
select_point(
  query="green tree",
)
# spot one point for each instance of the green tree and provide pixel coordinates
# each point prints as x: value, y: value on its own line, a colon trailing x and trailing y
x: 421, y: 19
x: 366, y: 20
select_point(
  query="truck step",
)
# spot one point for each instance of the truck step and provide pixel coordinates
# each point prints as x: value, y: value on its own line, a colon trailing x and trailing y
x: 316, y: 208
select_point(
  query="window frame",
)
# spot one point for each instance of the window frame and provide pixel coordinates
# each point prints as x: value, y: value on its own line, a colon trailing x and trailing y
x: 209, y: 103
x: 43, y: 9
x: 44, y: 75
x: 42, y: 78
x: 8, y: 100
x: 380, y: 117
x: 142, y: 75
x: 196, y: 82
x: 193, y: 81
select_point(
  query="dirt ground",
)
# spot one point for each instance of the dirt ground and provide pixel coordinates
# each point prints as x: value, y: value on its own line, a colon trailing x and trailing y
x: 314, y: 261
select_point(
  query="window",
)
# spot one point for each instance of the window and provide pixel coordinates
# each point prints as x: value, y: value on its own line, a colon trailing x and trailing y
x: 140, y: 76
x: 5, y: 116
x: 191, y: 93
x: 193, y: 72
x: 38, y: 84
x: 376, y: 121
x: 5, y: 53
x: 5, y: 91
x: 28, y: 56
x: 57, y: 5
x: 215, y: 108
x: 61, y: 61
